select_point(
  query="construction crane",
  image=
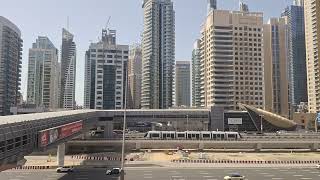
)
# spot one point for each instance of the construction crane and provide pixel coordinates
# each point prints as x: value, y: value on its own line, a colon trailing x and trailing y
x: 107, y: 24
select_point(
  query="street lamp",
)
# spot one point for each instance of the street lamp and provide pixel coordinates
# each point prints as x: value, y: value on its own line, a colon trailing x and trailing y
x: 187, y: 122
x: 124, y: 128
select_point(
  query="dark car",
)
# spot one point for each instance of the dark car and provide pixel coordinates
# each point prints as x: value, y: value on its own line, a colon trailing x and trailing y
x: 113, y: 171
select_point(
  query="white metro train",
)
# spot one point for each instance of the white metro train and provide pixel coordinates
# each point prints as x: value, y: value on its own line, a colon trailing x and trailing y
x: 193, y: 135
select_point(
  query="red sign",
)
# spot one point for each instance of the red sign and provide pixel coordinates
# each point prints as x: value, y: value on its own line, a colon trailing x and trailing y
x: 52, y: 135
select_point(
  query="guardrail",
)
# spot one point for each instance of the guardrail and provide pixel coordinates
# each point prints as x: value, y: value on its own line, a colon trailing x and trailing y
x: 243, y: 161
x: 231, y: 140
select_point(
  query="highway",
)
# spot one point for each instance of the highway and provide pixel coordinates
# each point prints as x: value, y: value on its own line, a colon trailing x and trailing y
x: 156, y: 173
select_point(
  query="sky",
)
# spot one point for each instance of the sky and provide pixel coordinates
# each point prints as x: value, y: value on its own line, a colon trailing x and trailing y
x: 87, y: 18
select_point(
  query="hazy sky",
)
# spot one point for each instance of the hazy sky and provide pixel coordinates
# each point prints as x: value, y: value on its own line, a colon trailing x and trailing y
x: 88, y: 17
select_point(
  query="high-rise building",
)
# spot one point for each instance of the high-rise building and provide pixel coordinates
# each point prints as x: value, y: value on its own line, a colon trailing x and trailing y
x: 196, y: 80
x: 294, y: 15
x: 312, y: 34
x: 298, y: 3
x: 212, y: 5
x: 232, y: 59
x: 183, y: 84
x: 43, y: 74
x: 106, y: 73
x: 276, y: 67
x: 158, y: 54
x: 10, y: 65
x: 68, y: 71
x: 134, y: 76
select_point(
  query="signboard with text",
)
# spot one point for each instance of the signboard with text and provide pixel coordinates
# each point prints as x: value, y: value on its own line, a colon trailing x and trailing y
x: 235, y: 121
x: 52, y: 135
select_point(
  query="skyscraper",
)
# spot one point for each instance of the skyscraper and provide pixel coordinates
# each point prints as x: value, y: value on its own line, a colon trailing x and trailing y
x: 182, y: 84
x: 43, y: 74
x: 212, y: 5
x: 10, y: 65
x: 231, y: 51
x: 276, y: 66
x: 134, y: 76
x: 312, y: 34
x: 105, y: 73
x: 294, y: 15
x: 68, y: 71
x: 158, y: 54
x: 196, y: 80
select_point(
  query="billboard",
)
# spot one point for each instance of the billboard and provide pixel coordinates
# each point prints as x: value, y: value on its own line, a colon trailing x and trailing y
x: 52, y: 135
x: 235, y: 121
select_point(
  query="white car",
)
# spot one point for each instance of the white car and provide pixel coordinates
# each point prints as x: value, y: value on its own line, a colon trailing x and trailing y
x: 318, y: 166
x: 235, y: 176
x: 64, y: 169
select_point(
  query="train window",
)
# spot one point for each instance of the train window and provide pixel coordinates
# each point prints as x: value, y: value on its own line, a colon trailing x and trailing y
x: 206, y: 135
x: 214, y: 136
x: 155, y: 135
x: 222, y: 136
x: 172, y: 136
x: 180, y: 135
x: 197, y: 136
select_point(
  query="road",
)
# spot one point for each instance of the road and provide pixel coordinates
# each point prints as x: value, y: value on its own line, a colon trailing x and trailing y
x: 167, y: 174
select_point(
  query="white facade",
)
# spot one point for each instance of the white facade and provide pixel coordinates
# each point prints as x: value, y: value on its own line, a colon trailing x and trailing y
x: 43, y: 74
x: 68, y: 71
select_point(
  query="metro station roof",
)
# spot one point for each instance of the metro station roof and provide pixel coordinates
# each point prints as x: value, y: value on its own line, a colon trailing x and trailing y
x: 272, y: 118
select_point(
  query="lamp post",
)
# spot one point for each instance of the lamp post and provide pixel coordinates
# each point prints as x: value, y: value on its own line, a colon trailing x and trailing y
x: 124, y: 128
x: 187, y: 122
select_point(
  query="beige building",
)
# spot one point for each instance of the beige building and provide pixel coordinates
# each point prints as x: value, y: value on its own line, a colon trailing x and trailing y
x: 232, y: 59
x: 312, y: 31
x: 134, y: 76
x: 276, y: 67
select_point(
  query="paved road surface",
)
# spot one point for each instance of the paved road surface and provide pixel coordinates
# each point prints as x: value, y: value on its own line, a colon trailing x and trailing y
x: 167, y: 174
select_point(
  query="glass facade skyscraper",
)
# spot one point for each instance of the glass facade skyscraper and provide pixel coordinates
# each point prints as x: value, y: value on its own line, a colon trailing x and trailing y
x: 296, y: 54
x: 158, y: 54
x: 10, y: 65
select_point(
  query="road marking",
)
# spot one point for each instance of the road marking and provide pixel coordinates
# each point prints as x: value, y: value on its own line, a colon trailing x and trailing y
x: 204, y: 173
x: 269, y: 175
x: 298, y: 175
x: 207, y: 176
x: 305, y: 178
x: 147, y: 177
x: 176, y: 176
x: 277, y: 178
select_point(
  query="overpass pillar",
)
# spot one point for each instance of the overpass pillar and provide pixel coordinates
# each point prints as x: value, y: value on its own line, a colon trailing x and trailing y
x: 138, y: 145
x: 258, y: 147
x: 314, y: 147
x: 108, y: 129
x: 60, y: 154
x: 201, y: 146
